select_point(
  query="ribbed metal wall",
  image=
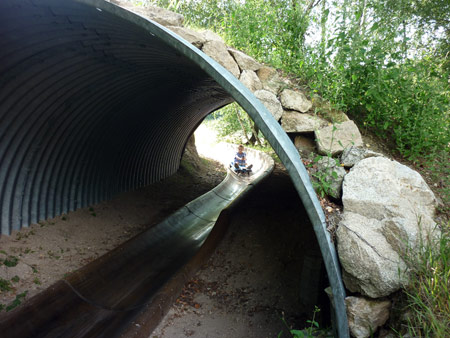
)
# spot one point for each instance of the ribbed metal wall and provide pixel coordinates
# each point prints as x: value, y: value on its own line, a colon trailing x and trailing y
x: 90, y: 105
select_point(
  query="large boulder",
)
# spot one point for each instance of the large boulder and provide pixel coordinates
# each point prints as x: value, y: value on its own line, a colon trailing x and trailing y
x: 244, y: 61
x: 250, y: 80
x: 365, y: 316
x: 293, y: 100
x: 271, y: 102
x: 371, y: 266
x: 219, y: 52
x: 192, y: 36
x: 294, y: 122
x: 388, y: 208
x: 335, y: 138
x: 380, y: 188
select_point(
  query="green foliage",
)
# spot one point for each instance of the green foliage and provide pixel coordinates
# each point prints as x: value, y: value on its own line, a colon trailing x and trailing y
x: 15, y: 279
x: 5, y: 285
x: 322, y: 179
x: 11, y: 261
x: 234, y: 124
x: 313, y: 330
x: 17, y: 301
x: 428, y: 292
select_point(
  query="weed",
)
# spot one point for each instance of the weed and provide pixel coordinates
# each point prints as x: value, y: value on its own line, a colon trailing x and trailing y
x: 3, y: 252
x: 312, y: 330
x: 27, y: 250
x: 15, y: 279
x: 2, y: 306
x: 64, y: 218
x: 34, y: 269
x: 16, y: 302
x: 36, y: 281
x: 5, y: 285
x: 11, y: 261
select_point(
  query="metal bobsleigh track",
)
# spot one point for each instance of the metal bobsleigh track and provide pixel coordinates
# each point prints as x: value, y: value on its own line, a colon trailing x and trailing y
x: 95, y: 100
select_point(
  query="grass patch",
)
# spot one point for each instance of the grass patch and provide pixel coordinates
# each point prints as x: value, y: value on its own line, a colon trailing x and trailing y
x: 16, y: 302
x: 5, y: 285
x: 428, y: 292
x: 11, y: 261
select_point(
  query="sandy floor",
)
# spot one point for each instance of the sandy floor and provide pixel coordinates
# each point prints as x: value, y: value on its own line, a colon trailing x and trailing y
x: 46, y: 252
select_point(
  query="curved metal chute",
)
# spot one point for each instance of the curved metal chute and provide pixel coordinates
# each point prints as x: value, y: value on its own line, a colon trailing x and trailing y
x: 95, y: 100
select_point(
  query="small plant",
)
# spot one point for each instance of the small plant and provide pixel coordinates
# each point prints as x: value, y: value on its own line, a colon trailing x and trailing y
x: 16, y: 302
x: 64, y: 217
x: 322, y: 179
x: 36, y: 281
x: 15, y: 279
x: 5, y: 285
x: 34, y: 269
x: 11, y: 261
x: 311, y: 331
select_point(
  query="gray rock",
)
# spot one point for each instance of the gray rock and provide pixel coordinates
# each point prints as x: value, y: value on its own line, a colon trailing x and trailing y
x: 324, y: 109
x: 160, y: 15
x: 380, y: 188
x: 244, y: 61
x: 250, y: 80
x: 219, y: 52
x: 270, y: 79
x: 271, y: 102
x: 266, y: 73
x: 371, y: 266
x: 305, y: 145
x: 192, y: 36
x: 332, y: 173
x: 365, y: 316
x: 211, y: 36
x: 387, y: 208
x: 294, y: 122
x: 294, y: 100
x: 334, y: 139
x: 352, y: 155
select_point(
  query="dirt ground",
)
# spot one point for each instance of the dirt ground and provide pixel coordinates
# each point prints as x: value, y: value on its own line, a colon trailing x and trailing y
x: 36, y: 257
x: 268, y: 267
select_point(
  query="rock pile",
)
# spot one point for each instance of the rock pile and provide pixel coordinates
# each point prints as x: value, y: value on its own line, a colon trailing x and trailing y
x: 387, y: 207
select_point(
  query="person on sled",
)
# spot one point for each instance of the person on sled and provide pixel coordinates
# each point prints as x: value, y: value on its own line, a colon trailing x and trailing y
x: 240, y: 161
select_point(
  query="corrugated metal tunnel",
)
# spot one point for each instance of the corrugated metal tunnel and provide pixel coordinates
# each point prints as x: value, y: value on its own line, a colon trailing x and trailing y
x: 91, y: 105
x: 95, y: 100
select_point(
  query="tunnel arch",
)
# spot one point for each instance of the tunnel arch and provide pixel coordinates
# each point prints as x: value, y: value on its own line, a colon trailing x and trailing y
x: 95, y: 100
